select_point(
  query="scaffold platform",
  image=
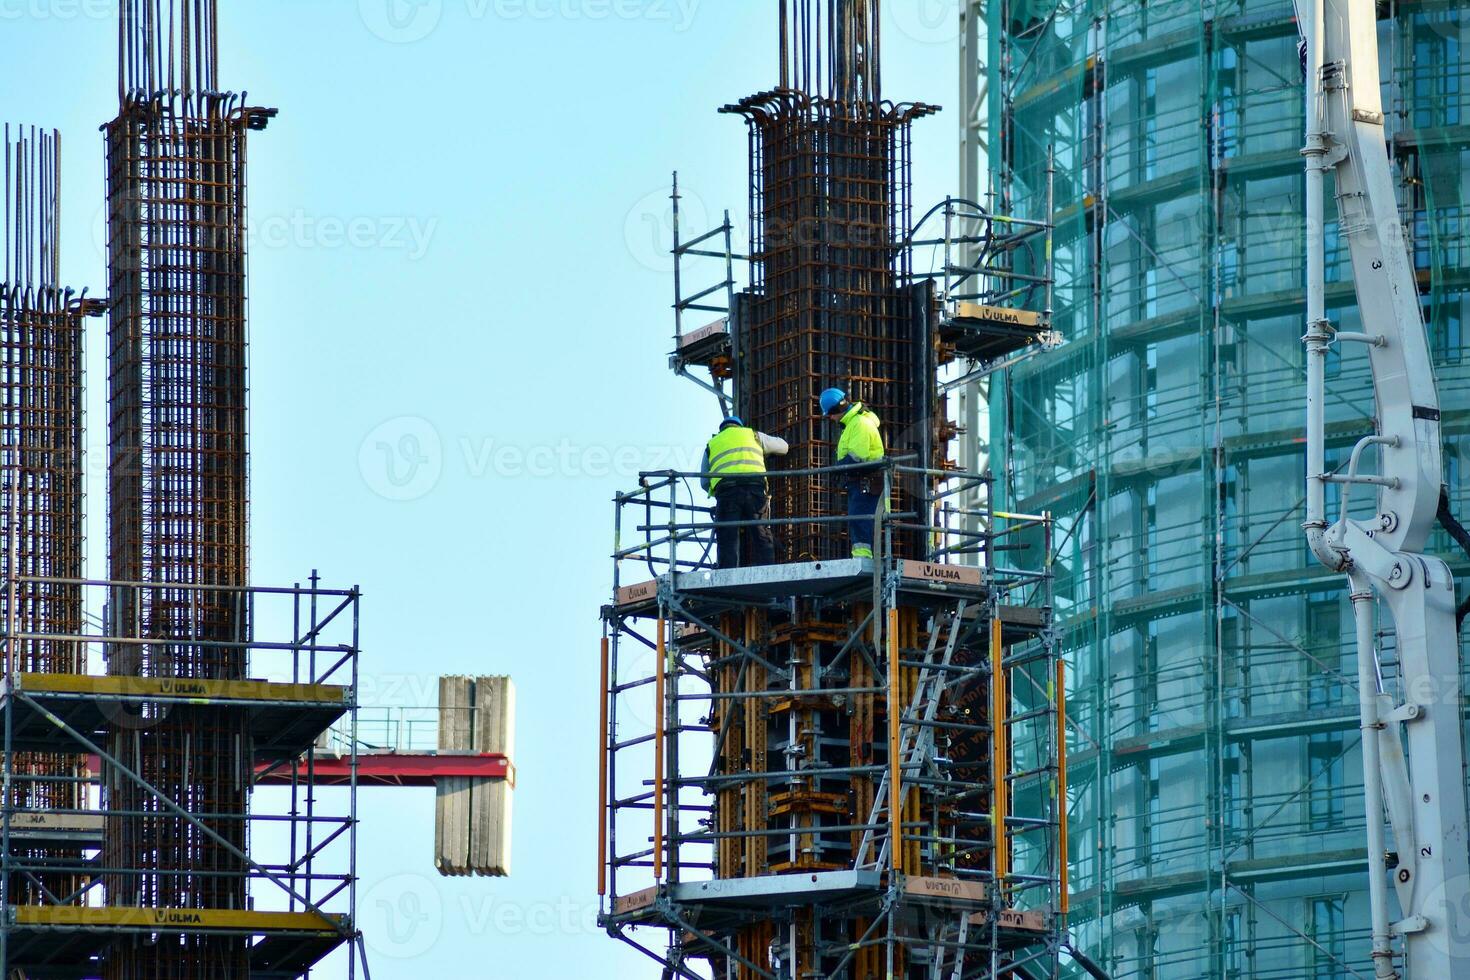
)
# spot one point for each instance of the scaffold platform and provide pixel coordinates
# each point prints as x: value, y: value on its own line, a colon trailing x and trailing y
x: 982, y: 332
x: 59, y: 943
x: 283, y: 719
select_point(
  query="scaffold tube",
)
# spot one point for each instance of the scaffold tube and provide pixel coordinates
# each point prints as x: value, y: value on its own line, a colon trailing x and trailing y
x: 895, y: 762
x: 998, y: 741
x: 602, y: 749
x: 1064, y: 899
x: 658, y: 756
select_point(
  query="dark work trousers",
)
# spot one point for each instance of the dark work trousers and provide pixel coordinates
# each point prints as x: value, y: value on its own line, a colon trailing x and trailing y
x: 861, y: 503
x: 739, y: 499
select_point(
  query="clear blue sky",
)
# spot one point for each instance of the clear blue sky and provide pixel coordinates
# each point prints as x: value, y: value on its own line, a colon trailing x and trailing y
x: 459, y: 221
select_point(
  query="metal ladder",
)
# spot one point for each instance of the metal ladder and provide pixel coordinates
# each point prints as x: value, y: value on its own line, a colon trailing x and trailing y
x: 961, y: 937
x: 915, y: 741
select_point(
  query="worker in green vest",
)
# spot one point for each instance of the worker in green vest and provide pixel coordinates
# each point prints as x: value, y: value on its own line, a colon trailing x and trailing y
x: 861, y: 442
x: 734, y: 471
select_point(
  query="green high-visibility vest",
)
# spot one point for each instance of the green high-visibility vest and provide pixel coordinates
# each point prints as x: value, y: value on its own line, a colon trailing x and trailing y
x: 861, y: 440
x: 734, y: 451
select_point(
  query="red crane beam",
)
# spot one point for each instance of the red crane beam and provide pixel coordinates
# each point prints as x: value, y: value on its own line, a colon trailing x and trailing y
x: 384, y: 769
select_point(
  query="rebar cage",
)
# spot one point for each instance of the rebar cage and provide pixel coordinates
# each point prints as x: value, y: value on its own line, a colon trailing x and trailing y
x: 973, y: 311
x: 828, y: 304
x: 136, y: 720
x: 178, y: 485
x: 41, y: 492
x: 178, y: 493
x: 758, y: 700
x: 41, y: 520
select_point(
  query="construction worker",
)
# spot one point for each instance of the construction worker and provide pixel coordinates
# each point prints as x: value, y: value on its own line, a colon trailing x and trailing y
x: 735, y: 475
x: 861, y: 442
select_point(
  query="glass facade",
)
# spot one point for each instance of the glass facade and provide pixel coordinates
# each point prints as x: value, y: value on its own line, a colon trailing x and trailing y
x: 1217, y: 824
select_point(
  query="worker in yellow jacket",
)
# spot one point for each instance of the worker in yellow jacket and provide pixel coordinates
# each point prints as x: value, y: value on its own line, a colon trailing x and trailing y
x: 861, y: 442
x: 735, y: 475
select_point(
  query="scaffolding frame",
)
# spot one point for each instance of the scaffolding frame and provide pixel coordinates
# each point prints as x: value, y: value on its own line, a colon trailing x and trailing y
x: 309, y: 895
x: 810, y: 855
x: 850, y: 804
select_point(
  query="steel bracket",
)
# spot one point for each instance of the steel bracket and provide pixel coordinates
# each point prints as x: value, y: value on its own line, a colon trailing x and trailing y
x: 1414, y: 923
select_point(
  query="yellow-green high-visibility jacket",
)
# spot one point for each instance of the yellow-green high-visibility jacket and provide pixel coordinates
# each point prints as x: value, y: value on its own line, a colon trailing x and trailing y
x: 861, y: 441
x: 733, y: 451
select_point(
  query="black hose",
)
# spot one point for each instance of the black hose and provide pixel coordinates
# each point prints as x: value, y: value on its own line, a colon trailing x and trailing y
x: 1081, y: 960
x: 1462, y: 538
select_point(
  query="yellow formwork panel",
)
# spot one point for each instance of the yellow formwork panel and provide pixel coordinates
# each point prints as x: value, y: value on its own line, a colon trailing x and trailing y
x: 176, y: 920
x: 165, y: 688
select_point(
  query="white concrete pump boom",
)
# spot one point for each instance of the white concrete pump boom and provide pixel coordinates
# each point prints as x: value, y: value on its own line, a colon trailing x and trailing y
x: 1423, y: 791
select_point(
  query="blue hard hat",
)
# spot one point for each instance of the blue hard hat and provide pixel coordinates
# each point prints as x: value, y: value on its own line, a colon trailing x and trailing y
x: 831, y: 398
x: 733, y: 420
